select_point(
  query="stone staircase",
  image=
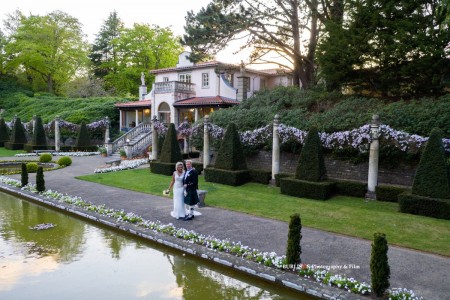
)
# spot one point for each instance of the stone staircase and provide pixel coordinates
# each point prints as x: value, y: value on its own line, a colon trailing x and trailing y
x: 134, y: 141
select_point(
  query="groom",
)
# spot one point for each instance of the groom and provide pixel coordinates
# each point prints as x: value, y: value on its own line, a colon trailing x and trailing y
x: 190, y: 182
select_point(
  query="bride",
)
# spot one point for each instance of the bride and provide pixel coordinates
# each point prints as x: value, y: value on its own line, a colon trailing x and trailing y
x: 178, y: 192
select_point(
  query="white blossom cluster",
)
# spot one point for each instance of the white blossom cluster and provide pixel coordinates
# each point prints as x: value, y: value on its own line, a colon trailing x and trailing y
x: 270, y: 259
x: 184, y: 129
x: 75, y: 154
x: 124, y: 165
x: 160, y: 127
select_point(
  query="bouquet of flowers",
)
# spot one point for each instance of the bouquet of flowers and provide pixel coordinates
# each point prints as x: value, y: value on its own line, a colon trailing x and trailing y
x: 166, y: 193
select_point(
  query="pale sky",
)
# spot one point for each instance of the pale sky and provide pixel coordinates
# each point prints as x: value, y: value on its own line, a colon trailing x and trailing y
x: 93, y: 13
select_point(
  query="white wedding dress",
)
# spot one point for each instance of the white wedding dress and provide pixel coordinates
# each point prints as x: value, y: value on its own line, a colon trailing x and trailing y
x: 179, y: 210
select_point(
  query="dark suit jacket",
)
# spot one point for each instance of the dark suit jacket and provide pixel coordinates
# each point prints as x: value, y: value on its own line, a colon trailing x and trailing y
x: 191, y: 180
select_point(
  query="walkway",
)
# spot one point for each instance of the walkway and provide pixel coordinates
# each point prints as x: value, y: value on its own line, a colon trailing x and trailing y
x: 426, y: 274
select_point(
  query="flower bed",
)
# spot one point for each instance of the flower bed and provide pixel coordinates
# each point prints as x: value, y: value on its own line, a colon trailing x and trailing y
x: 75, y: 154
x: 236, y: 248
x: 124, y: 165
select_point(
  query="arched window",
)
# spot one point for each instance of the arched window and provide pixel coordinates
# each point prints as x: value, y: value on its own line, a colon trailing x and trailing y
x: 164, y: 112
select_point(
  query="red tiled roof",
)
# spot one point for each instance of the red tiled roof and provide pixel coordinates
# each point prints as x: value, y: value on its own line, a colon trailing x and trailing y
x: 206, y: 101
x: 211, y: 63
x: 143, y: 103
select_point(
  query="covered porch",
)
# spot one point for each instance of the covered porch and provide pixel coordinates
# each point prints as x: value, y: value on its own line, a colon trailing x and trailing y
x: 134, y: 113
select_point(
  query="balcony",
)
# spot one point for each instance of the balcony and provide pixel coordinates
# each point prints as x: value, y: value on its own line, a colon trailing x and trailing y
x: 174, y: 87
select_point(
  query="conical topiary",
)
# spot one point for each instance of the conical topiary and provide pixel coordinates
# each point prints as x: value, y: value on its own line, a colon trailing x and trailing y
x: 294, y: 249
x: 432, y: 175
x: 4, y: 132
x: 170, y: 152
x: 39, y: 137
x: 379, y: 266
x: 231, y: 155
x: 18, y: 133
x: 40, y: 182
x: 83, y: 138
x: 24, y: 175
x: 311, y: 164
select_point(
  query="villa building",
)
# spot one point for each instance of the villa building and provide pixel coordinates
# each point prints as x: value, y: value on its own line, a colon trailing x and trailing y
x: 192, y: 90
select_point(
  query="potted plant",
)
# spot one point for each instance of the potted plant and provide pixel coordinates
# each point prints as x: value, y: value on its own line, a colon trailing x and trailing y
x: 123, y: 154
x: 102, y: 151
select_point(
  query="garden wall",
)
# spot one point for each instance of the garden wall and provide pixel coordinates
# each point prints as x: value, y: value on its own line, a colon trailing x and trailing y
x: 336, y: 169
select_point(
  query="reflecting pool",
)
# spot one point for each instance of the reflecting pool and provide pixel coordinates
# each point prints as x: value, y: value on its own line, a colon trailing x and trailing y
x: 79, y: 260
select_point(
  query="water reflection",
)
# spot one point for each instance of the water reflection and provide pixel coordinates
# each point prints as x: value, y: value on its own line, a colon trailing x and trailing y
x: 76, y: 260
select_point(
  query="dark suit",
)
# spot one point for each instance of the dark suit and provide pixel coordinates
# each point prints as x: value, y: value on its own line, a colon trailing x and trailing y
x: 191, y: 181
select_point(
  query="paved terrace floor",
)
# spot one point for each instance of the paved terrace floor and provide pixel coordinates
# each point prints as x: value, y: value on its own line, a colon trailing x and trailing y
x: 426, y: 274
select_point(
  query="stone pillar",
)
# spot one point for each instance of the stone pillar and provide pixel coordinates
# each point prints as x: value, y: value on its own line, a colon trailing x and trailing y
x: 186, y: 143
x: 372, y: 180
x: 107, y: 123
x: 142, y: 92
x: 275, y: 147
x: 34, y: 123
x: 120, y: 120
x: 206, y: 152
x: 195, y: 114
x: 242, y: 87
x: 128, y: 149
x: 57, y: 134
x: 136, y: 117
x: 154, y: 140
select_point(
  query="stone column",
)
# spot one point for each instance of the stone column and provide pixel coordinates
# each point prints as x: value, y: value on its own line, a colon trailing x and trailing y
x: 154, y: 140
x: 107, y: 123
x: 34, y: 123
x: 195, y: 114
x: 372, y: 180
x: 128, y: 149
x: 57, y: 134
x: 275, y: 147
x: 186, y: 144
x: 206, y: 152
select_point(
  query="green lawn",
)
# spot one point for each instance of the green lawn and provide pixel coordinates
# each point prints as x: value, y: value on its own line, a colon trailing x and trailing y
x: 345, y: 215
x: 8, y: 153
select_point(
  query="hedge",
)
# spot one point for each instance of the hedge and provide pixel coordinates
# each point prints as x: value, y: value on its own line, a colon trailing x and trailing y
x: 228, y: 177
x: 389, y: 193
x: 162, y: 168
x: 281, y: 175
x: 260, y: 176
x: 322, y: 190
x: 170, y: 151
x: 31, y: 147
x: 198, y: 167
x: 424, y: 206
x: 13, y: 146
x: 351, y: 188
x: 84, y: 148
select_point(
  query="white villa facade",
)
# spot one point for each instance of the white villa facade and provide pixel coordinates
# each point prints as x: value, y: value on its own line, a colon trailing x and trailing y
x: 191, y: 91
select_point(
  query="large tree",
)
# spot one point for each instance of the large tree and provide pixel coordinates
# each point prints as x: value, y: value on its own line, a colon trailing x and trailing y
x: 104, y: 53
x: 269, y: 26
x: 48, y: 48
x: 396, y: 48
x: 140, y: 49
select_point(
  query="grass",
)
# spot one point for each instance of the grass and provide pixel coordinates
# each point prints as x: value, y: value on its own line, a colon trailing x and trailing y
x: 8, y: 153
x: 341, y: 214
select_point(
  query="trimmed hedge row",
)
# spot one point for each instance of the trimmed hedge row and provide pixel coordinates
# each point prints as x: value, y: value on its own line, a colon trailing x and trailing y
x: 281, y: 175
x: 228, y: 177
x: 389, y: 193
x: 322, y: 190
x: 351, y: 188
x: 162, y: 168
x: 198, y: 167
x: 424, y: 206
x: 13, y: 146
x: 31, y: 147
x: 260, y: 176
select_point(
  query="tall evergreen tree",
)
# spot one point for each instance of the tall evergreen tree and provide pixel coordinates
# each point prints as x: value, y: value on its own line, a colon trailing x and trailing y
x: 24, y: 175
x: 40, y: 181
x: 18, y: 133
x: 170, y: 152
x: 231, y: 155
x: 311, y: 164
x: 83, y: 137
x: 39, y: 137
x: 432, y: 177
x: 379, y: 266
x: 294, y: 249
x: 4, y: 132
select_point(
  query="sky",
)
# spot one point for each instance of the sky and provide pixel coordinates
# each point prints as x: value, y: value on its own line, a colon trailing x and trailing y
x: 93, y: 13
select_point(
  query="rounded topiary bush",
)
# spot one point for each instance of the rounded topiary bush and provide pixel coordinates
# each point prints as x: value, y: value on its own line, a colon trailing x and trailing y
x: 32, y: 167
x: 64, y: 161
x: 45, y: 158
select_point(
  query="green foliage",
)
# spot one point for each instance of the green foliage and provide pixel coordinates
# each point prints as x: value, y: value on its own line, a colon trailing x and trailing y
x: 32, y: 167
x: 83, y: 138
x: 231, y: 155
x: 260, y: 176
x: 388, y: 193
x: 307, y: 189
x: 311, y: 164
x: 24, y: 175
x: 198, y: 166
x: 170, y: 152
x: 379, y: 266
x: 39, y: 137
x: 424, y: 206
x: 432, y: 177
x: 294, y: 249
x: 18, y: 133
x: 4, y: 132
x: 351, y: 188
x: 45, y: 158
x: 162, y: 168
x: 281, y: 175
x: 64, y: 161
x: 228, y: 177
x: 40, y: 182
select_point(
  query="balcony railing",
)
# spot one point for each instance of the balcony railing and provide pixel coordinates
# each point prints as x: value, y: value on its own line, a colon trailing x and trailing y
x: 174, y: 87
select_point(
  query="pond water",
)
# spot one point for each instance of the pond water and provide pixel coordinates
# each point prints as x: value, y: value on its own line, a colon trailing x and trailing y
x: 79, y: 260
